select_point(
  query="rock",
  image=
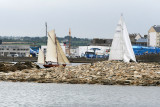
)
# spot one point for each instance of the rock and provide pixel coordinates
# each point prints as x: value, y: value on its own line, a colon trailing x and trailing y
x: 137, y: 76
x: 105, y: 72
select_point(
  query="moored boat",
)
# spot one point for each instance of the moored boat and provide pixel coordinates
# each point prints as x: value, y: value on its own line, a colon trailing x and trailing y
x: 55, y: 55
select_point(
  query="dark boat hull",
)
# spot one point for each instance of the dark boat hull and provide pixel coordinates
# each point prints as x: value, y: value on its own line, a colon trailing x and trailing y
x: 53, y: 65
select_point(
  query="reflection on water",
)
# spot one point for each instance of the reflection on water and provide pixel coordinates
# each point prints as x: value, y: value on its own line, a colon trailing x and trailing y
x: 68, y: 95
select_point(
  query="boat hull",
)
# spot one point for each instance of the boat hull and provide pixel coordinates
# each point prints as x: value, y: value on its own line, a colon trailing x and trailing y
x: 53, y: 65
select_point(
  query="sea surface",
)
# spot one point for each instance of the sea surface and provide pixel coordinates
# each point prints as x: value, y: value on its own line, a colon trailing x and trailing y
x: 16, y: 94
x: 71, y: 64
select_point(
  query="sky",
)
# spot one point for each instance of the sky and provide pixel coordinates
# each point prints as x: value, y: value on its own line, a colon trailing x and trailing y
x: 86, y: 18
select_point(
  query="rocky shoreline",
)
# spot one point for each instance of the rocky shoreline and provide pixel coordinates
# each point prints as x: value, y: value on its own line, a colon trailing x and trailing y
x: 105, y: 73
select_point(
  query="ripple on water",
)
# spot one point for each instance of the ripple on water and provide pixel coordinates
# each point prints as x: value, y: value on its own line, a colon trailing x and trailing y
x: 42, y: 95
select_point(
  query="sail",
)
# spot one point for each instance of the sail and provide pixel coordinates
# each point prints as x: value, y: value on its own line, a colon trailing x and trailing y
x: 128, y: 52
x: 51, y: 54
x: 116, y: 52
x: 121, y: 48
x: 62, y: 59
x: 40, y: 57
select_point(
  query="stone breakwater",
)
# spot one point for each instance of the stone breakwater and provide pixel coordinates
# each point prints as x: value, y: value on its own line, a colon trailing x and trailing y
x: 106, y: 73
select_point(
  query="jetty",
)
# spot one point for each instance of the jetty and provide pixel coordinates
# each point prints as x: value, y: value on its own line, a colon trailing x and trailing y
x: 105, y: 73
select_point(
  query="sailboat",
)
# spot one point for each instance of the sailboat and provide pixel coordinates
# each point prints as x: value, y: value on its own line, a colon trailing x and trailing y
x: 55, y: 55
x: 121, y: 48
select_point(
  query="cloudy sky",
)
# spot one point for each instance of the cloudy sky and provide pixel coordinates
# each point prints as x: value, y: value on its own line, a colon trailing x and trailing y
x: 86, y: 18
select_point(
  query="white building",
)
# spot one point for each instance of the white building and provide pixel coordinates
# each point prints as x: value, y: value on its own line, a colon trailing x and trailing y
x: 154, y: 36
x: 15, y: 50
x: 80, y: 51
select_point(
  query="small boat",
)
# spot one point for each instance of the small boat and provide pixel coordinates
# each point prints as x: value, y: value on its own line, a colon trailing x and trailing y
x: 55, y: 55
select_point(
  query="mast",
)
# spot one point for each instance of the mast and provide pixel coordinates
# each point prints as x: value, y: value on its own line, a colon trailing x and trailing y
x: 46, y: 41
x: 46, y: 31
x: 69, y: 41
x: 122, y: 41
x: 56, y: 48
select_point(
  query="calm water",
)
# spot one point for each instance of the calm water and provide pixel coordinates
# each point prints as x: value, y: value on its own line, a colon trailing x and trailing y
x: 71, y: 64
x: 68, y: 95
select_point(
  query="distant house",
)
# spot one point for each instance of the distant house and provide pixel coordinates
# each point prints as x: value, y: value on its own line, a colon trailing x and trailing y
x: 154, y: 36
x: 134, y: 37
x: 141, y: 42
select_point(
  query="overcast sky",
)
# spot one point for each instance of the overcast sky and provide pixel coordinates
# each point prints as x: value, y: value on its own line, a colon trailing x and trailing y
x: 86, y: 18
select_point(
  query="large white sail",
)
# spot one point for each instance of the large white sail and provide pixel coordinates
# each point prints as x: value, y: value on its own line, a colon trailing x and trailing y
x: 116, y: 52
x: 121, y: 48
x: 51, y: 54
x: 128, y: 50
x: 40, y: 57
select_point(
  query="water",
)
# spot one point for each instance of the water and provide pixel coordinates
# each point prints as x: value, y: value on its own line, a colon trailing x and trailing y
x: 75, y: 64
x: 71, y: 64
x: 69, y: 95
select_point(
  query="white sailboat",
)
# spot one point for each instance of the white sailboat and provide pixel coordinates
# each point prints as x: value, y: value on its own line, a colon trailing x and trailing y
x: 121, y: 48
x: 40, y: 57
x: 55, y: 55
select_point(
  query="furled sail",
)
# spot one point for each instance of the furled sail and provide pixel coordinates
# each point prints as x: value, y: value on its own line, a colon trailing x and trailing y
x: 62, y: 59
x: 51, y: 54
x: 121, y: 48
x: 40, y: 57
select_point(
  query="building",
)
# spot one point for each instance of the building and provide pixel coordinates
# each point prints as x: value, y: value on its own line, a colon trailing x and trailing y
x: 15, y: 50
x: 154, y: 36
x: 101, y: 42
x: 141, y: 42
x: 101, y: 50
x: 134, y: 37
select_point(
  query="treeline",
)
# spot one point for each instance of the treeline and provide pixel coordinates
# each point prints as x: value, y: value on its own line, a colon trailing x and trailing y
x: 36, y: 41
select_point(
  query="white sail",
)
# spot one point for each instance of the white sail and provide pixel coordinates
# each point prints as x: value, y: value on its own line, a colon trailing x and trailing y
x: 40, y: 57
x: 116, y: 52
x: 121, y: 48
x: 51, y: 54
x: 128, y: 51
x: 62, y: 59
